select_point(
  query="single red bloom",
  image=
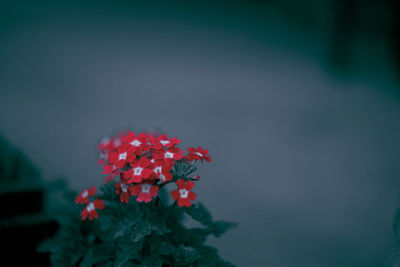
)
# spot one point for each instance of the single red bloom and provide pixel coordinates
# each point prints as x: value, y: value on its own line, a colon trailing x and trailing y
x: 163, y: 139
x: 119, y: 158
x: 90, y: 209
x: 141, y: 169
x: 198, y: 153
x: 124, y: 191
x: 83, y: 197
x: 154, y: 143
x: 137, y: 144
x: 169, y: 156
x: 183, y: 195
x: 162, y: 171
x: 165, y: 176
x: 159, y: 166
x: 145, y: 192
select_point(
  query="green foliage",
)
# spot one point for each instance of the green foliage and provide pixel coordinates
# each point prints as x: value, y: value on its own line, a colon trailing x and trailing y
x: 135, y: 234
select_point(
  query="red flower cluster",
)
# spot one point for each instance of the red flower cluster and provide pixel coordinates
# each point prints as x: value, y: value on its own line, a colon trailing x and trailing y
x: 90, y: 209
x: 144, y: 163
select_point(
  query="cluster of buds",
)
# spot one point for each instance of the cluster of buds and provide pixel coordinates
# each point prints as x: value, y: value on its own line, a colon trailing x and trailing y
x: 142, y: 164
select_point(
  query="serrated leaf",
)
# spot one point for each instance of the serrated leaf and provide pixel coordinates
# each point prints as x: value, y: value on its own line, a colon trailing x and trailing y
x: 220, y: 227
x: 195, y: 236
x: 199, y: 213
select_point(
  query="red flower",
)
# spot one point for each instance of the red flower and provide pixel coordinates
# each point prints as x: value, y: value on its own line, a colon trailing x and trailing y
x: 157, y: 165
x: 124, y: 191
x: 183, y: 194
x: 108, y: 169
x: 90, y: 209
x: 141, y: 169
x: 109, y: 144
x: 163, y: 139
x: 161, y: 170
x: 165, y: 176
x: 120, y: 157
x: 198, y: 153
x: 145, y: 192
x: 105, y: 144
x: 169, y: 156
x: 83, y: 197
x: 155, y: 143
x: 137, y: 144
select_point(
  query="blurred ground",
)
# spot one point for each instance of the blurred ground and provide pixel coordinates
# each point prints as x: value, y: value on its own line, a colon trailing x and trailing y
x: 304, y: 159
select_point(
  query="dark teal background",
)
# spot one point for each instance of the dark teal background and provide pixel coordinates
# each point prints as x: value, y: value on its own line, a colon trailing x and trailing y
x: 297, y: 101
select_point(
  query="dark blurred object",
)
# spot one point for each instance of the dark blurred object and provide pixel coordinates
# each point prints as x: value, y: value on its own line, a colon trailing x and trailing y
x: 24, y: 202
x: 23, y: 222
x: 379, y: 20
x: 21, y: 235
x: 396, y: 32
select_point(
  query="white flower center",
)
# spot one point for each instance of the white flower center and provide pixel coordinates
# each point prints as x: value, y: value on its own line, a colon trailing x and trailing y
x: 122, y: 156
x: 124, y: 187
x: 85, y: 193
x: 169, y: 155
x: 146, y: 188
x: 157, y: 169
x: 135, y: 143
x: 164, y: 142
x: 90, y: 207
x: 137, y: 171
x: 199, y: 154
x: 184, y: 193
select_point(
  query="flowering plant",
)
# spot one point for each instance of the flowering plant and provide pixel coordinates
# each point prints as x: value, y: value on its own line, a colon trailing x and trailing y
x: 131, y: 221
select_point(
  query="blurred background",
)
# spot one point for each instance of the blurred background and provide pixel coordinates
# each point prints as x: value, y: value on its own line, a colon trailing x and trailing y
x: 297, y: 101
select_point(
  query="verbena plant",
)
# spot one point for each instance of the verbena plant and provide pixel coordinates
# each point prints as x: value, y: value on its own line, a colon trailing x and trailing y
x: 131, y: 221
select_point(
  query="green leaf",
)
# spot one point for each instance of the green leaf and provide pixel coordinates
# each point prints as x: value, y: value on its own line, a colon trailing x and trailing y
x: 87, y: 259
x: 166, y: 248
x: 186, y: 256
x: 209, y: 256
x: 102, y: 252
x: 46, y: 246
x: 124, y: 227
x: 140, y: 230
x: 195, y: 236
x: 220, y: 227
x: 199, y: 213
